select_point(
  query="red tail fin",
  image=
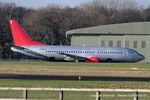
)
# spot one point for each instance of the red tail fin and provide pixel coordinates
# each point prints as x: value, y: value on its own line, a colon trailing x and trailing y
x: 19, y: 35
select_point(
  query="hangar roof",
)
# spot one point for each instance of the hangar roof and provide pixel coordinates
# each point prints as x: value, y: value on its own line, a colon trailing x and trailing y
x: 125, y: 28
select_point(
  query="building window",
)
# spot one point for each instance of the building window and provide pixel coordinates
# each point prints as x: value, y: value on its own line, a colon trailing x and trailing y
x: 110, y: 43
x: 127, y: 44
x: 134, y: 44
x: 102, y: 43
x: 118, y: 43
x: 143, y: 44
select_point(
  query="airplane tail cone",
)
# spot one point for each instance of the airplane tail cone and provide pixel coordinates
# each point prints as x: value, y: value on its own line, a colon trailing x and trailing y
x: 19, y: 35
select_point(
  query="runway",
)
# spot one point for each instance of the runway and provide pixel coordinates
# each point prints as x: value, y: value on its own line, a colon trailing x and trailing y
x: 82, y: 78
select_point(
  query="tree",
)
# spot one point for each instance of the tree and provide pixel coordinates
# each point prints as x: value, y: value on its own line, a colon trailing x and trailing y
x: 146, y: 14
x: 7, y: 11
x: 43, y: 24
x: 126, y: 16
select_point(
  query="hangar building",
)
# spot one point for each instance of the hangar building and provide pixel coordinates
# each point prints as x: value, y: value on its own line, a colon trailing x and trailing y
x: 129, y: 35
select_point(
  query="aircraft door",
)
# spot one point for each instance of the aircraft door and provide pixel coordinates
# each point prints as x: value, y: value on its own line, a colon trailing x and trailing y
x: 125, y: 53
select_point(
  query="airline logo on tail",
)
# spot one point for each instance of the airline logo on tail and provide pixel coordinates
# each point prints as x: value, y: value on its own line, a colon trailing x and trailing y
x: 19, y: 35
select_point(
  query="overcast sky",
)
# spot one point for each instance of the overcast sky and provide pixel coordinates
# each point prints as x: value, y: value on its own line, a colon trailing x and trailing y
x: 71, y: 3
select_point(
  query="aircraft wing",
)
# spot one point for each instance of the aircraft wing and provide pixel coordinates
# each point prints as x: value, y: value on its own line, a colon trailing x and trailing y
x: 72, y: 56
x: 76, y: 57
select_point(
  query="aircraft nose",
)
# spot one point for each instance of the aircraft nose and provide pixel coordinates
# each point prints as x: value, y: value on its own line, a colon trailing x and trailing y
x: 142, y: 57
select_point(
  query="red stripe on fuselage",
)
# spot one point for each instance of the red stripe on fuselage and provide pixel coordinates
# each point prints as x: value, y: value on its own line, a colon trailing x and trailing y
x: 92, y: 59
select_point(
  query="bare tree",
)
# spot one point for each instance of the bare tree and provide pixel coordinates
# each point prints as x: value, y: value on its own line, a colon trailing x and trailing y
x: 117, y: 4
x: 146, y: 14
x: 43, y: 24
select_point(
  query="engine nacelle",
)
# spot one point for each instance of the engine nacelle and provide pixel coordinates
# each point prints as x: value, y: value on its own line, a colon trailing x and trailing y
x: 92, y: 59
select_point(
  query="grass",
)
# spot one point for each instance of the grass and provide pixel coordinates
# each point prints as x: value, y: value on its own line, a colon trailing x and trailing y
x: 72, y: 84
x: 69, y: 68
x: 76, y: 69
x: 53, y: 95
x: 42, y: 95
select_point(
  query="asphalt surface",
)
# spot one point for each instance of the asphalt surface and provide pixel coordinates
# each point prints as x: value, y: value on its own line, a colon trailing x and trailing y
x: 82, y: 78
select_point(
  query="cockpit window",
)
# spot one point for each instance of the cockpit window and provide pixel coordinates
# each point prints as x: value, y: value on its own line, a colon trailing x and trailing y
x: 133, y: 52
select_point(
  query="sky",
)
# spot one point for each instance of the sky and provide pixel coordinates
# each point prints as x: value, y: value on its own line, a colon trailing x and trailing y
x: 71, y: 3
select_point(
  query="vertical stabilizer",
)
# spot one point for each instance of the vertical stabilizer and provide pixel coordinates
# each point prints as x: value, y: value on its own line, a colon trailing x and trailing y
x: 19, y: 35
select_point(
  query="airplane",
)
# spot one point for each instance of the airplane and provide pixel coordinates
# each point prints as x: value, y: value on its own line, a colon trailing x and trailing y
x: 25, y: 45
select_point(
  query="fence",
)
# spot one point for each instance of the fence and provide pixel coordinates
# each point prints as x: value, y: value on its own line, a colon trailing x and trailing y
x: 61, y: 90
